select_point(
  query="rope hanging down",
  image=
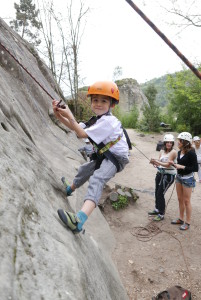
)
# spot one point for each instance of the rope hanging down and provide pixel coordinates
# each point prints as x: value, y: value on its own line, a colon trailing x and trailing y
x: 64, y: 144
x: 26, y: 71
x: 166, y: 40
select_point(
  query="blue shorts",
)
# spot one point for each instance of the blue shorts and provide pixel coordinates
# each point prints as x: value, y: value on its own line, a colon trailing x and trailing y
x: 187, y: 182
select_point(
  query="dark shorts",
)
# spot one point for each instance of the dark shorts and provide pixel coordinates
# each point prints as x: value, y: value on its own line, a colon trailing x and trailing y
x: 189, y: 182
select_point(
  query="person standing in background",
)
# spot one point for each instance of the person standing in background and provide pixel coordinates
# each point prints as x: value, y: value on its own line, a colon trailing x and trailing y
x: 164, y: 177
x: 197, y: 146
x: 86, y: 150
x: 186, y: 166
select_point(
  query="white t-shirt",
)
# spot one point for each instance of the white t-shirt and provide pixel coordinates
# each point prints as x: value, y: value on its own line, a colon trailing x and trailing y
x: 198, y: 153
x: 107, y: 129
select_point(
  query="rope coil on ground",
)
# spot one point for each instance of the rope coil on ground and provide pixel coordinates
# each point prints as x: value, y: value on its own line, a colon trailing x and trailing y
x: 146, y: 233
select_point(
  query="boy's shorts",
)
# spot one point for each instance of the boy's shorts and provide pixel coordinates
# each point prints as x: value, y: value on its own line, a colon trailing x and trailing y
x: 187, y: 182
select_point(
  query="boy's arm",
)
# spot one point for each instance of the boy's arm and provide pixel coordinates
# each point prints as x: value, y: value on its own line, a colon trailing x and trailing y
x: 67, y: 118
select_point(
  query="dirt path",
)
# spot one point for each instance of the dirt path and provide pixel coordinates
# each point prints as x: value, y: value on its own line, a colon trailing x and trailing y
x: 168, y: 256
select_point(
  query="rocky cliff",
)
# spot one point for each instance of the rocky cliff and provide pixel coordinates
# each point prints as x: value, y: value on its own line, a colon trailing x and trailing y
x: 40, y: 258
x: 131, y: 94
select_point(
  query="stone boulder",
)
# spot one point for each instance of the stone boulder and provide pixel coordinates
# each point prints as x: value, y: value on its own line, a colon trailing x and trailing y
x: 130, y: 95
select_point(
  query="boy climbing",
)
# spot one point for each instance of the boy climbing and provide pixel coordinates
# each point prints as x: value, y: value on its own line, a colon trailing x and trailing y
x: 105, y: 132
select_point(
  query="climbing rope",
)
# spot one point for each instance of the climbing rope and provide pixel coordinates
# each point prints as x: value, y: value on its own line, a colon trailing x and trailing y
x: 32, y: 99
x: 165, y: 39
x: 21, y: 65
x: 141, y: 152
x: 36, y: 105
x: 146, y: 233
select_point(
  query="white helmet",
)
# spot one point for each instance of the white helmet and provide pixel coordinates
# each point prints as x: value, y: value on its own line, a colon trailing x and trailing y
x: 196, y: 138
x: 185, y: 136
x: 87, y: 141
x: 168, y: 138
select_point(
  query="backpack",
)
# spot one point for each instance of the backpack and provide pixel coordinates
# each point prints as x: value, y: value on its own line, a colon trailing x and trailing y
x: 159, y: 146
x: 174, y: 293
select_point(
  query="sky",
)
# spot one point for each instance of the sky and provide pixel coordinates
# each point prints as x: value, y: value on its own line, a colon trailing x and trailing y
x: 115, y: 35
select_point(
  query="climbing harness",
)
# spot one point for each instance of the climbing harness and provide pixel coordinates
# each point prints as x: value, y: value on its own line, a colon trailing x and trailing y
x: 107, y: 146
x: 102, y: 149
x: 161, y: 171
x: 166, y: 40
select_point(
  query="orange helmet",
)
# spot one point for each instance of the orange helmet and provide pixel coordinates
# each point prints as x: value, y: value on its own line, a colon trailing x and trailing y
x: 106, y: 88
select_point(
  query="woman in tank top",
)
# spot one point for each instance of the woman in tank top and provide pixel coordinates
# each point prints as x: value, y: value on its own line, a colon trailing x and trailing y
x: 164, y: 177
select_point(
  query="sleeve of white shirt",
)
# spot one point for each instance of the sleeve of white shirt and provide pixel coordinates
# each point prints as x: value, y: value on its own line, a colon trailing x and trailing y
x: 82, y: 125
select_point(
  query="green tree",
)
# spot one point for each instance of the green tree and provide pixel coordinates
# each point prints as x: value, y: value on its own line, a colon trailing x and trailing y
x: 151, y: 112
x: 62, y: 38
x: 128, y: 119
x: 26, y: 22
x: 185, y: 100
x: 117, y: 73
x: 61, y: 35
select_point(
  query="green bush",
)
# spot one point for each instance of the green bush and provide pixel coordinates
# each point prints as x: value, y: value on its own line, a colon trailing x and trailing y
x: 142, y: 125
x: 122, y: 202
x: 117, y: 112
x: 169, y: 118
x: 184, y: 100
x: 151, y: 111
x: 128, y: 120
x: 182, y: 128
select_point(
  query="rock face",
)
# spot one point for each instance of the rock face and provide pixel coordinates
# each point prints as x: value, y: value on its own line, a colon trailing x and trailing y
x: 40, y: 258
x: 130, y: 95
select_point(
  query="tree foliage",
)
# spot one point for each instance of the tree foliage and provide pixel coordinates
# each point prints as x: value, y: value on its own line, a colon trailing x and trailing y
x: 185, y: 100
x: 187, y: 11
x: 129, y: 119
x: 26, y: 22
x: 151, y: 111
x: 65, y: 65
x: 117, y: 73
x: 160, y: 85
x: 61, y: 35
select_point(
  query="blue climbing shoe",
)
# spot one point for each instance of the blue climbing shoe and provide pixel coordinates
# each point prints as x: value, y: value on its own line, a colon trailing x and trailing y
x: 70, y: 220
x: 67, y: 186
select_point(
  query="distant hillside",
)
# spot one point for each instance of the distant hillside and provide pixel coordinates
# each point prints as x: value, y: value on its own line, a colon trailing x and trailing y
x: 160, y: 85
